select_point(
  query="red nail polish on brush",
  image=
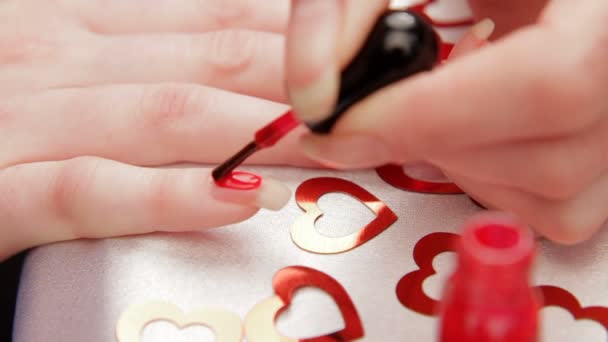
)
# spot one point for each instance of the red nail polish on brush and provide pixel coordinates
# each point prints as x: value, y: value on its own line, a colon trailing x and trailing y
x: 489, y: 297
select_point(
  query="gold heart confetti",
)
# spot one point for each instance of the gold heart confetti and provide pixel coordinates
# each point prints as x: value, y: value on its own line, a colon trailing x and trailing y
x: 226, y: 326
x: 306, y: 236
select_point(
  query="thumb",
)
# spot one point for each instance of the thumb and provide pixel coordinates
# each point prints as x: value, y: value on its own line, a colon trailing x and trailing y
x: 323, y: 36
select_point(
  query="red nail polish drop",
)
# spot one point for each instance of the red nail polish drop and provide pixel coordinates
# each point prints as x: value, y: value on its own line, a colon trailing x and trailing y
x: 240, y: 180
x: 489, y: 297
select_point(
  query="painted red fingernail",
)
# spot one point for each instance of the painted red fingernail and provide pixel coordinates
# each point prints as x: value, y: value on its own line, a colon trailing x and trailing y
x: 244, y: 188
x: 240, y: 180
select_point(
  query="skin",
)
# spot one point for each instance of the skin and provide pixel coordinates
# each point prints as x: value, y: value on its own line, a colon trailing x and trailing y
x: 521, y: 124
x: 98, y: 98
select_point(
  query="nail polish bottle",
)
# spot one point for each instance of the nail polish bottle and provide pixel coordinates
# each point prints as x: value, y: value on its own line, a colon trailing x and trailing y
x: 489, y: 298
x: 400, y: 44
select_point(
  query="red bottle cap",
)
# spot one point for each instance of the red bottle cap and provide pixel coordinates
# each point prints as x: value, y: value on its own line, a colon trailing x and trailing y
x: 497, y: 250
x: 489, y: 297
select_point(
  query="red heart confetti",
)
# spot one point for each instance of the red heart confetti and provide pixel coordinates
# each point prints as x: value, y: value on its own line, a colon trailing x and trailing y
x: 305, y: 235
x: 410, y: 291
x: 396, y: 176
x: 259, y: 324
x: 558, y: 297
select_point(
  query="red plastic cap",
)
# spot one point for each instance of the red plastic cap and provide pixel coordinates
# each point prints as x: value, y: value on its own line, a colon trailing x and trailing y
x: 489, y: 297
x: 496, y: 246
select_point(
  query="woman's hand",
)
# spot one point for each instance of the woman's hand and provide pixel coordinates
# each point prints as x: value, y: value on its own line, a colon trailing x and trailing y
x: 95, y: 95
x: 520, y: 124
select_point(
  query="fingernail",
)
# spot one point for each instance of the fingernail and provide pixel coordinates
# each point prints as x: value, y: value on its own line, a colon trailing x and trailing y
x: 311, y: 57
x: 250, y: 189
x: 483, y: 29
x: 352, y: 151
x: 425, y: 171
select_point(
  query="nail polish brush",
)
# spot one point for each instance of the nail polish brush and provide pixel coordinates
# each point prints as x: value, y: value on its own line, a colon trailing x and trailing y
x: 400, y: 44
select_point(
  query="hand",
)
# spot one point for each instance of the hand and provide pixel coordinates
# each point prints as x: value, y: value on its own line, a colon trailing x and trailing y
x: 520, y: 124
x: 96, y: 96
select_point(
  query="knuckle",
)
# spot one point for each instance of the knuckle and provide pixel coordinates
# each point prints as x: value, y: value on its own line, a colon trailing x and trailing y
x: 13, y: 49
x: 559, y: 181
x: 9, y: 197
x: 7, y: 114
x: 16, y: 48
x: 594, y: 69
x: 561, y: 100
x: 170, y: 106
x: 596, y: 33
x: 72, y: 180
x: 564, y: 95
x: 228, y: 13
x: 581, y: 86
x: 160, y: 197
x: 231, y: 50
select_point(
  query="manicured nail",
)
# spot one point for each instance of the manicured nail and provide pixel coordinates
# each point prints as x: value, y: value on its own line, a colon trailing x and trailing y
x: 249, y: 189
x: 425, y: 171
x: 348, y: 151
x: 311, y: 57
x: 483, y: 29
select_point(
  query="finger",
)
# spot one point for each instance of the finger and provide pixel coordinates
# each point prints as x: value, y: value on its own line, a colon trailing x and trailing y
x: 142, y: 16
x: 323, y: 36
x: 247, y: 62
x: 565, y: 222
x: 504, y: 92
x: 149, y: 124
x: 97, y: 198
x: 556, y: 169
x: 338, y: 154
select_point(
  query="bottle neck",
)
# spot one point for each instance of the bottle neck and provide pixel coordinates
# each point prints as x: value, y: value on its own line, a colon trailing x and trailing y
x: 494, y: 261
x: 491, y: 285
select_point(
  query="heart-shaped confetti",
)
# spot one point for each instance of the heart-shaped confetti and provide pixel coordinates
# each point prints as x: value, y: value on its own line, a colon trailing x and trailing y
x: 410, y: 291
x: 260, y: 321
x: 411, y: 294
x: 225, y: 325
x: 556, y: 296
x: 306, y: 236
x: 396, y: 176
